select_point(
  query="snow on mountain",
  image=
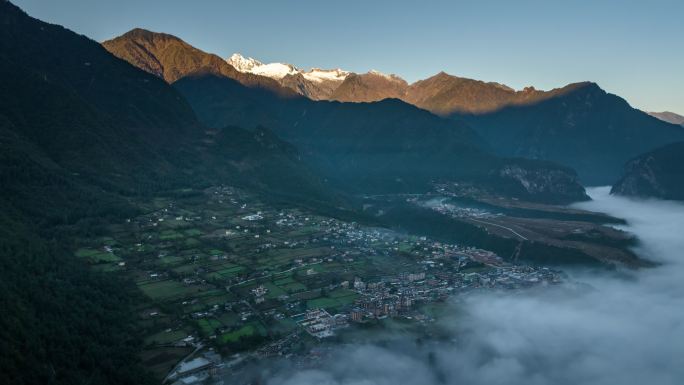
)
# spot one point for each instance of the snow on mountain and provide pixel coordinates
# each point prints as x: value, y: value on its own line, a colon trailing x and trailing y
x: 242, y: 63
x: 386, y: 76
x: 319, y: 75
x: 272, y: 70
x: 280, y: 70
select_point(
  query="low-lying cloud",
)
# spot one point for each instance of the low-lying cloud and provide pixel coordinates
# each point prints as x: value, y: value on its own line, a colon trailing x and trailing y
x: 616, y: 329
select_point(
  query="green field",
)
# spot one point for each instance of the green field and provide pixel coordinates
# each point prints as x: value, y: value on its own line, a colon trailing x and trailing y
x: 323, y: 302
x: 234, y: 336
x: 334, y: 300
x: 96, y: 256
x: 192, y: 242
x: 164, y: 337
x: 273, y: 290
x: 169, y: 235
x: 229, y: 319
x: 163, y: 290
x: 193, y: 232
x: 294, y: 287
x: 208, y: 326
x: 229, y: 272
x: 171, y: 260
x: 284, y: 281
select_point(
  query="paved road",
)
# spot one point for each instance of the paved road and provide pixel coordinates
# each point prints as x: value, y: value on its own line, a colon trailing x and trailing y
x: 503, y: 227
x: 272, y: 274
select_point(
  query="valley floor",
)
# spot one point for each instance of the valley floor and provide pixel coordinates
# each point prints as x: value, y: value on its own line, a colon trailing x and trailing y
x: 227, y: 279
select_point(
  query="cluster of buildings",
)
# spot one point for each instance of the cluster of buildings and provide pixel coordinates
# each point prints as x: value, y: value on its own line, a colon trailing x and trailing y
x: 196, y: 369
x: 320, y: 324
x: 397, y: 296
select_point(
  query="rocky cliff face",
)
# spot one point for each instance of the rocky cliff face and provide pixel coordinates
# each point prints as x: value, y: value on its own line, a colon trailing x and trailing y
x: 657, y: 174
x: 314, y: 88
x: 543, y: 183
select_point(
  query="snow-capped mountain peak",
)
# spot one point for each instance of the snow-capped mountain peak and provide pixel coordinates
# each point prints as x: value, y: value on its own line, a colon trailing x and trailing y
x: 242, y: 63
x: 279, y: 70
x: 272, y: 70
x: 320, y: 75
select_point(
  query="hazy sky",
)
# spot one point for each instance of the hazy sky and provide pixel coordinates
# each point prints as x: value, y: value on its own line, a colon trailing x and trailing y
x: 632, y: 48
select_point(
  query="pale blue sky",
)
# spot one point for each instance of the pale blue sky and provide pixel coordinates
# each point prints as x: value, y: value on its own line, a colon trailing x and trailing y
x: 632, y: 48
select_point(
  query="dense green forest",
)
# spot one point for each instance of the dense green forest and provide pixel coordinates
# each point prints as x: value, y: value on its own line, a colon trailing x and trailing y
x: 84, y: 137
x: 61, y: 323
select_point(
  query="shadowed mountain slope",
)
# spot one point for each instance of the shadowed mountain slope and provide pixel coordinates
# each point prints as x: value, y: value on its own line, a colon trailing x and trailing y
x: 656, y: 174
x: 387, y: 146
x: 582, y: 126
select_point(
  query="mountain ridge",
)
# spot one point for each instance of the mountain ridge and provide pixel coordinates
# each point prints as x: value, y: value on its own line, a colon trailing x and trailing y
x: 171, y: 58
x: 379, y: 147
x: 581, y: 126
x: 669, y: 117
x: 556, y: 125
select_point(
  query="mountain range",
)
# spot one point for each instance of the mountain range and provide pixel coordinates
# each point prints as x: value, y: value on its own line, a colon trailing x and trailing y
x: 554, y: 125
x: 359, y: 147
x: 315, y: 84
x: 90, y: 133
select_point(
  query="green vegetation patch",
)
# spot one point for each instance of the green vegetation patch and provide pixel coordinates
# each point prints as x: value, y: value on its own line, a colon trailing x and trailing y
x: 337, y: 293
x: 230, y: 272
x: 284, y: 281
x: 169, y: 235
x: 323, y: 302
x: 96, y: 256
x: 163, y: 290
x: 208, y: 326
x: 171, y: 260
x: 229, y: 319
x: 164, y: 337
x: 273, y: 290
x: 192, y: 242
x: 294, y: 287
x: 193, y: 232
x: 186, y: 269
x: 335, y: 299
x: 234, y: 336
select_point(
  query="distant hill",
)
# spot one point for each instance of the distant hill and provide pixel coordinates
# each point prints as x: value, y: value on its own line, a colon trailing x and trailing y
x: 669, y: 117
x: 370, y: 87
x: 580, y: 126
x: 656, y: 174
x: 446, y: 94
